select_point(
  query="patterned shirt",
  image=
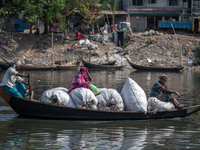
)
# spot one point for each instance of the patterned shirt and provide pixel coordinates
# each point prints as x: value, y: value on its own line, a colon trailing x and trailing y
x: 155, y: 89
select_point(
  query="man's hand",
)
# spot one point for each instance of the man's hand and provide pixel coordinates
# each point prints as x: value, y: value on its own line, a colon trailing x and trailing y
x: 178, y: 94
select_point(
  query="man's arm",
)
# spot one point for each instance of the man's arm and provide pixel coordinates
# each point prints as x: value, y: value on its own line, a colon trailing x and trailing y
x: 21, y: 75
x: 169, y: 91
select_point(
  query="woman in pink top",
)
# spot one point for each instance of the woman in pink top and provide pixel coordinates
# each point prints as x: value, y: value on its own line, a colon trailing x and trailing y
x: 81, y: 80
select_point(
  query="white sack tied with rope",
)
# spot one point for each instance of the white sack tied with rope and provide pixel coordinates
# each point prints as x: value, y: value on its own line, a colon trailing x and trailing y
x: 110, y: 99
x: 57, y: 96
x: 134, y: 97
x: 156, y: 105
x: 84, y: 98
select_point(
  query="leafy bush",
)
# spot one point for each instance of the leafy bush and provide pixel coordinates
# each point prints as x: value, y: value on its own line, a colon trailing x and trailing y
x: 126, y: 53
x: 125, y: 45
x: 198, y: 52
x: 196, y: 62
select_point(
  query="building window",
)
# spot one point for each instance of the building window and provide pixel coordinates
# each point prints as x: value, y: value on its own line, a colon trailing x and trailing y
x: 198, y: 4
x: 152, y: 1
x: 173, y: 2
x: 137, y: 2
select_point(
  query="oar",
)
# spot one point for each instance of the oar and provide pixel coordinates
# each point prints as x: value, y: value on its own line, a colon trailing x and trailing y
x: 29, y: 86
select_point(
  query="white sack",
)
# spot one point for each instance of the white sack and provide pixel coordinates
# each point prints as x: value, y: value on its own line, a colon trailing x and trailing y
x: 84, y: 98
x: 62, y: 95
x: 87, y: 42
x: 110, y: 99
x: 81, y: 42
x: 156, y: 105
x: 134, y: 97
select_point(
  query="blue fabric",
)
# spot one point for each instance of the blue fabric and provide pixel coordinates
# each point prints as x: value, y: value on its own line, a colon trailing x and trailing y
x: 17, y: 90
x: 155, y: 89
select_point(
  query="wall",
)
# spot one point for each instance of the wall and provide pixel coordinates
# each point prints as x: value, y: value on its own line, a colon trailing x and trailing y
x: 159, y: 4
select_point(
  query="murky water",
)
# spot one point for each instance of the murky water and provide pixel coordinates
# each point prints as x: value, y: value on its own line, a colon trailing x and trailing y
x: 23, y: 133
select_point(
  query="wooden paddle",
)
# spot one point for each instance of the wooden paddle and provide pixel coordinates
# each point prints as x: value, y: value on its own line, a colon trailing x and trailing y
x: 29, y: 86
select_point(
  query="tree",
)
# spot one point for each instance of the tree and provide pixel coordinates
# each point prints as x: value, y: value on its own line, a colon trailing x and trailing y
x: 46, y: 10
x: 112, y: 5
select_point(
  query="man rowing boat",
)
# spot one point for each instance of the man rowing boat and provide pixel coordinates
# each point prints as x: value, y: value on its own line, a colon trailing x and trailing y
x: 12, y: 82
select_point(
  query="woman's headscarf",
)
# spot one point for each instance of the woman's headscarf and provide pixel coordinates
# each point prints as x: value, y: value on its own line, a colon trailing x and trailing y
x: 15, y: 62
x: 162, y: 76
x: 82, y: 72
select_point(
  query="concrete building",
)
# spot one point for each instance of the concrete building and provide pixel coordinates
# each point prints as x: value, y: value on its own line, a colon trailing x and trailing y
x: 144, y: 14
x: 196, y: 7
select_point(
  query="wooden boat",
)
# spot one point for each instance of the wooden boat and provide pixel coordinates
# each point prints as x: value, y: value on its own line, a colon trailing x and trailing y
x: 94, y: 66
x: 30, y: 67
x: 32, y: 108
x: 153, y: 68
x: 110, y: 63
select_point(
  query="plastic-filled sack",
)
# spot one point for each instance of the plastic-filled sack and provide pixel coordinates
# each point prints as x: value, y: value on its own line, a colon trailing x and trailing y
x: 156, y: 105
x: 63, y: 98
x: 110, y: 99
x: 134, y: 97
x: 84, y: 98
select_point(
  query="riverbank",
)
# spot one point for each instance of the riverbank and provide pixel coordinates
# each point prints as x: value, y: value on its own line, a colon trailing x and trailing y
x: 162, y: 49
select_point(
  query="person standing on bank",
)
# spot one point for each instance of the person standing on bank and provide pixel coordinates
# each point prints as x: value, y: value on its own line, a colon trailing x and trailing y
x: 160, y: 91
x: 12, y: 82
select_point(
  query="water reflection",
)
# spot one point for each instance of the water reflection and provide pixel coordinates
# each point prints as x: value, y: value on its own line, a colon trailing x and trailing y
x: 53, y: 134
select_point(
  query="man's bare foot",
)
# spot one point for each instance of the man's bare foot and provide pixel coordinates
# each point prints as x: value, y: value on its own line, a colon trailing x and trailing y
x: 27, y: 90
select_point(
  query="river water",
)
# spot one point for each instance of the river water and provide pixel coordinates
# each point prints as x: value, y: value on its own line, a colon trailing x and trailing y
x: 179, y: 133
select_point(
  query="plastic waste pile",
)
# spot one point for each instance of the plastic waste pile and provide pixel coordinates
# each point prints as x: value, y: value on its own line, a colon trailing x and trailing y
x: 162, y: 50
x: 9, y: 42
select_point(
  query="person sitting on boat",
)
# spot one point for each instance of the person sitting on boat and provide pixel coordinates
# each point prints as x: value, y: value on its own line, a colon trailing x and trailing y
x: 81, y: 80
x: 12, y: 82
x: 160, y: 91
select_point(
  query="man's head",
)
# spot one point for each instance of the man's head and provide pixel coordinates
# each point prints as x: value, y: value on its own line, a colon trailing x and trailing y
x: 163, y: 78
x: 16, y: 64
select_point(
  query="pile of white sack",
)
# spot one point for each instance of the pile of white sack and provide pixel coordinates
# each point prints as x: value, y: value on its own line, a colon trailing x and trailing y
x: 131, y: 98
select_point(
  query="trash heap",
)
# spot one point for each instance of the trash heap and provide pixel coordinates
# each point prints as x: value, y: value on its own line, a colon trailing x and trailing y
x: 103, y: 38
x: 42, y: 51
x: 162, y: 50
x: 9, y: 42
x: 151, y: 32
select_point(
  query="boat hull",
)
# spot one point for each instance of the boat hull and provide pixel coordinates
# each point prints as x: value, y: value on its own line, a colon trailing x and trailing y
x: 32, y: 108
x: 156, y: 68
x: 57, y: 67
x: 99, y: 67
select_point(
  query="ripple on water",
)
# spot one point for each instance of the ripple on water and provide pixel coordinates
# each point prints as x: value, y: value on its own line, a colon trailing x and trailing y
x: 6, y: 117
x: 5, y: 108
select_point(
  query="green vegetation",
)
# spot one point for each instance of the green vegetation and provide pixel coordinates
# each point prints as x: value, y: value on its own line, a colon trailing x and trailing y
x: 126, y: 52
x: 146, y: 45
x: 198, y: 52
x: 196, y: 62
x: 125, y: 45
